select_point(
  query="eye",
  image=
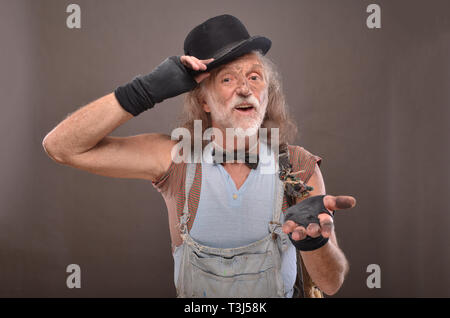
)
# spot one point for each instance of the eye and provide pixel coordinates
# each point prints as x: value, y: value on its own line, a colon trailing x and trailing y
x: 227, y: 79
x: 255, y: 77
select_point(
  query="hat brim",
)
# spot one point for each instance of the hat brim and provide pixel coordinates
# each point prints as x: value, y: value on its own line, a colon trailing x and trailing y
x: 254, y: 43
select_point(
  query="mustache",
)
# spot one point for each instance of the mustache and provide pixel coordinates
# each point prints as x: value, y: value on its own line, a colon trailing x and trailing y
x: 251, y: 100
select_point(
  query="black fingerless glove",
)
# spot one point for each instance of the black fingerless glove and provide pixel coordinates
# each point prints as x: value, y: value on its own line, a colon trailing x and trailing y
x: 167, y: 80
x: 305, y: 213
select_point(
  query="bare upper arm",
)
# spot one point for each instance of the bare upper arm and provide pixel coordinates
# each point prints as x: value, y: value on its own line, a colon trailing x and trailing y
x: 145, y: 156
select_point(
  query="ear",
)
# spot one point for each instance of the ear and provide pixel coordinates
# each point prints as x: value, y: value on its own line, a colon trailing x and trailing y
x: 205, y: 106
x: 202, y: 98
x: 204, y: 103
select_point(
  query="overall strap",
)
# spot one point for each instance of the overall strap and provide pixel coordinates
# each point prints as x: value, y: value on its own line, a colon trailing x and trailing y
x: 278, y: 200
x: 190, y: 174
x: 279, y: 192
x: 275, y: 226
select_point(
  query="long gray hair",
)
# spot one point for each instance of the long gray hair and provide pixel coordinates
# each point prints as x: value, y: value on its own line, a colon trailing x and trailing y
x: 276, y: 114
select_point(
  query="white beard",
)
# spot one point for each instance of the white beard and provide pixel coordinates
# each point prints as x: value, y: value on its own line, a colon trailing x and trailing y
x: 225, y: 116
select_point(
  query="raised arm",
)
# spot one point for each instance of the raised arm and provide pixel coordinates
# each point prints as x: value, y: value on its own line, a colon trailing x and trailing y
x: 82, y: 141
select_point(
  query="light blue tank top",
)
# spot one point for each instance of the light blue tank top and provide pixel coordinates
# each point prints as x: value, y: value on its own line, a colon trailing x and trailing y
x: 227, y: 217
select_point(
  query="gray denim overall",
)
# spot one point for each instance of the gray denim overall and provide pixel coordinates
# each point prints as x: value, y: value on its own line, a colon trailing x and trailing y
x: 249, y: 271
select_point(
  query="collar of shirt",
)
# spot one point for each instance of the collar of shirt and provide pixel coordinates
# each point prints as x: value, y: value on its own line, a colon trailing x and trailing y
x: 251, y: 160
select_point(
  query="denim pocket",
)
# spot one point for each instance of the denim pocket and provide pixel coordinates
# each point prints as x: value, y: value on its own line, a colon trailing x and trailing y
x: 238, y: 276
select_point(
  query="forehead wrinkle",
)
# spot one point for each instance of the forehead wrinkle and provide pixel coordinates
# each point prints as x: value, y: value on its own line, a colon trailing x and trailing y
x: 237, y: 68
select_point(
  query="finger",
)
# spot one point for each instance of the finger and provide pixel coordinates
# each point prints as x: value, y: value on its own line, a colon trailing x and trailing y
x: 202, y: 63
x: 190, y: 62
x: 206, y: 61
x: 339, y: 202
x: 195, y: 65
x: 326, y: 225
x: 184, y: 60
x: 289, y: 226
x: 313, y: 230
x: 299, y: 233
x: 198, y: 63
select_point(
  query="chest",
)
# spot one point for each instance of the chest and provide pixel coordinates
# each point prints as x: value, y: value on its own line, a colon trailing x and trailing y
x: 232, y: 214
x: 237, y: 174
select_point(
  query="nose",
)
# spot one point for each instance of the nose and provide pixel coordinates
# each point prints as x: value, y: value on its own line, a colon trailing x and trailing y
x: 243, y: 87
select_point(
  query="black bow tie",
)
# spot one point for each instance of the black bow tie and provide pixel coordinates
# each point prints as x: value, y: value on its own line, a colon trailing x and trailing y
x: 248, y: 159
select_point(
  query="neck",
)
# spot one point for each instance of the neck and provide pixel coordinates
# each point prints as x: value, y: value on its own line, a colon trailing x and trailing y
x: 248, y: 144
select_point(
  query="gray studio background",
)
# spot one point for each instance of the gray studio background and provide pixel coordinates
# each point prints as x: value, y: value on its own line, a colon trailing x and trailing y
x: 373, y: 103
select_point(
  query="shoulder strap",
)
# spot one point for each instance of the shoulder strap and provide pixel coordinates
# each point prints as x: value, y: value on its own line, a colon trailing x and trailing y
x: 190, y: 174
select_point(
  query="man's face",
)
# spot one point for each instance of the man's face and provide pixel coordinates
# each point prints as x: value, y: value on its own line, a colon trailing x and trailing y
x: 236, y: 96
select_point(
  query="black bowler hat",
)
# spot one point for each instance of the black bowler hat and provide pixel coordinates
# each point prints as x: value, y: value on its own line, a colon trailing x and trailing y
x: 223, y: 38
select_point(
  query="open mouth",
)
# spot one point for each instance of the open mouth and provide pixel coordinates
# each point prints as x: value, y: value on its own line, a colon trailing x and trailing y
x: 245, y: 108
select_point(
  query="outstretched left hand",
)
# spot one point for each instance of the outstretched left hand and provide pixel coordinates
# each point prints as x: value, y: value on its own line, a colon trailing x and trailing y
x: 325, y: 228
